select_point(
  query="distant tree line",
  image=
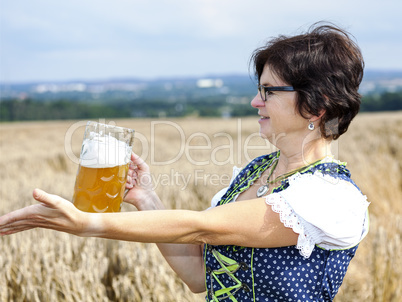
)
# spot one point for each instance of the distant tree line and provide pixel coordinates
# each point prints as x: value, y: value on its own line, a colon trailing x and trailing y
x: 388, y: 101
x: 29, y: 109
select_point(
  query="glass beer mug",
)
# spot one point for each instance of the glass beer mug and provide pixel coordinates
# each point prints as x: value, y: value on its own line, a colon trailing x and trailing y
x: 102, y: 172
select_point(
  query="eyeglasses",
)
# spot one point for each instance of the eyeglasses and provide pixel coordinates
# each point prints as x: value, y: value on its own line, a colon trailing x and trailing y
x: 265, y: 90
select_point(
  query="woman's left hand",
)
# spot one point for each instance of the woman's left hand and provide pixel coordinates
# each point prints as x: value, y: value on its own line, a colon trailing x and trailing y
x: 140, y: 191
x: 53, y: 212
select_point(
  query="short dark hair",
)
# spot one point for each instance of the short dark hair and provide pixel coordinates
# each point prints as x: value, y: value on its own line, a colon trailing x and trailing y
x: 325, y: 66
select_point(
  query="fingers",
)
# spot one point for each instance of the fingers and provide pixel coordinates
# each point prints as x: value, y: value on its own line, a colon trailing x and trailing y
x: 139, y: 162
x: 137, y: 167
x: 15, y: 229
x: 131, y: 176
x: 52, y: 212
x: 17, y: 220
x: 43, y: 197
x: 129, y: 182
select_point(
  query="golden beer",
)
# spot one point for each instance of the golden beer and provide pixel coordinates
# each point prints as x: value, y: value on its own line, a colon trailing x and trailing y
x: 102, y: 172
x: 100, y: 190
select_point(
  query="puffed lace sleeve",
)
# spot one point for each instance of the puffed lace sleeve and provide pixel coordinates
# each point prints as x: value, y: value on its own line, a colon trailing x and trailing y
x: 323, y: 210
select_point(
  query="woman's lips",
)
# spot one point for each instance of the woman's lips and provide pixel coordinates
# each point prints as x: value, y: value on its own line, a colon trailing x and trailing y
x: 263, y: 118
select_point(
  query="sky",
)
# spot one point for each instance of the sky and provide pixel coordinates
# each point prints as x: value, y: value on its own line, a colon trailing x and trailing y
x: 47, y: 40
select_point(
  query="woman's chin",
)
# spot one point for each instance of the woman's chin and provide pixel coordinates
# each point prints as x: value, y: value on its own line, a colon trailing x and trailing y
x: 265, y: 134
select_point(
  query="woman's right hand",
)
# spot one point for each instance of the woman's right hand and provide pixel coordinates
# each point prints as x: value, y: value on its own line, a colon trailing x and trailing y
x: 139, y: 185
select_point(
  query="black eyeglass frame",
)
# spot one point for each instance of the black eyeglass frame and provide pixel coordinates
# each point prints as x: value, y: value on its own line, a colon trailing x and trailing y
x: 272, y: 88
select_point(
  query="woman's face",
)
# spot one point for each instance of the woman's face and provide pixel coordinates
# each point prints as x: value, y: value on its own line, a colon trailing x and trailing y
x: 280, y: 120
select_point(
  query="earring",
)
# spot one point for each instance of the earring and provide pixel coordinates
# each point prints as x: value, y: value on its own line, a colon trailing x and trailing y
x: 311, y: 126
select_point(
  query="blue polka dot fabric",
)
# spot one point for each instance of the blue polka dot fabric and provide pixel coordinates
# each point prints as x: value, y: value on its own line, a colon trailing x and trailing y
x: 275, y: 274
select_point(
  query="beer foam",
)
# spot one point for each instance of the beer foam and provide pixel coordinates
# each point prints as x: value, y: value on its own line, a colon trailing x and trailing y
x: 104, y: 152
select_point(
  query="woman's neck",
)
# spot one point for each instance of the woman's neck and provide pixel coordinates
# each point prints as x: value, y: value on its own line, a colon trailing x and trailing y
x: 292, y: 158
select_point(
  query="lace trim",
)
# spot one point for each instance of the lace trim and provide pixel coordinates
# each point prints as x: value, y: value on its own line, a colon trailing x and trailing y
x: 309, y: 235
x: 305, y: 243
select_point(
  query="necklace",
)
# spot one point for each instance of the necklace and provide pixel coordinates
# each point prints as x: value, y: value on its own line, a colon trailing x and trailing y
x: 264, y: 189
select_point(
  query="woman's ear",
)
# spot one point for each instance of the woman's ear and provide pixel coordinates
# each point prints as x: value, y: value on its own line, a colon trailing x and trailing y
x: 315, y: 118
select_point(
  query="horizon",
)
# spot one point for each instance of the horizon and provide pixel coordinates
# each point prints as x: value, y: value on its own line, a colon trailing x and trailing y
x: 231, y: 85
x: 384, y: 72
x: 396, y: 72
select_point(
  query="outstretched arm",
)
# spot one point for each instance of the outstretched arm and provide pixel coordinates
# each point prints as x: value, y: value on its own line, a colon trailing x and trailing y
x: 246, y: 223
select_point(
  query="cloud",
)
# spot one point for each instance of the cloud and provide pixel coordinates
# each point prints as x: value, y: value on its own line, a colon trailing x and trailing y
x: 177, y: 37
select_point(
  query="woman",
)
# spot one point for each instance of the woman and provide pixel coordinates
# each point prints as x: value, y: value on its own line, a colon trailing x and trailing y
x: 290, y: 222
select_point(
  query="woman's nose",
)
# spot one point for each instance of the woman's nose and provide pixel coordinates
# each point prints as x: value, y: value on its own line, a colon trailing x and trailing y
x: 257, y: 101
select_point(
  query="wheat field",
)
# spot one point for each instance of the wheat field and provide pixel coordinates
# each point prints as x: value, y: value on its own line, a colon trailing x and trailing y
x: 191, y: 159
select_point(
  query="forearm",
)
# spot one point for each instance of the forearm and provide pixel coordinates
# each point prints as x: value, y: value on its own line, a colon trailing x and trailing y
x: 185, y: 259
x: 162, y: 227
x: 188, y: 263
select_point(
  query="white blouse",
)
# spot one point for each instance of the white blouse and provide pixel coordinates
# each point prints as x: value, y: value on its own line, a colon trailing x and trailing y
x: 325, y: 211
